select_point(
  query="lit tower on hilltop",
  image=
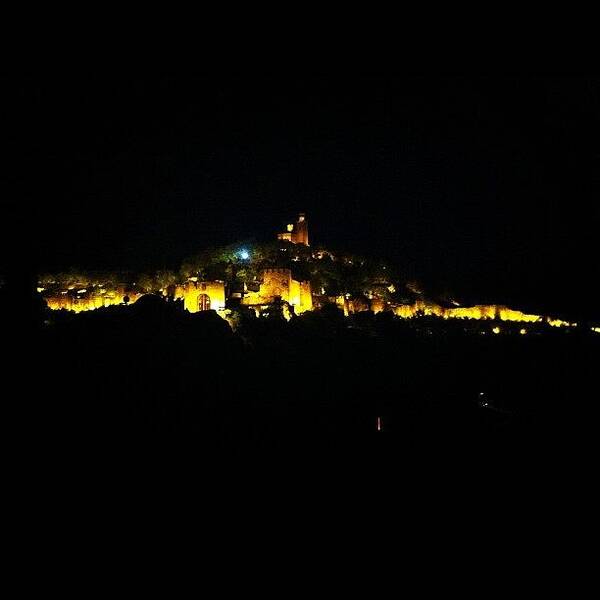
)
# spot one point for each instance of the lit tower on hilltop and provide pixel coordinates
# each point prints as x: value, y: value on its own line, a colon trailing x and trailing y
x: 297, y: 232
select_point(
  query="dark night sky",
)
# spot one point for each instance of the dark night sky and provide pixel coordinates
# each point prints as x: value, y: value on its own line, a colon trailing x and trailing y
x: 486, y: 185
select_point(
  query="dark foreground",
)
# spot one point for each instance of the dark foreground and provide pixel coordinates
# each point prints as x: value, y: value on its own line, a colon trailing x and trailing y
x: 149, y: 383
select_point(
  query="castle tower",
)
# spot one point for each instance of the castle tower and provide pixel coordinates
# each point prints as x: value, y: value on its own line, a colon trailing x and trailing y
x: 301, y: 230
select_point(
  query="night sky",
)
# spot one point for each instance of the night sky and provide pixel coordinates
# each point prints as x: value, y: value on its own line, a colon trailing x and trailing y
x: 486, y: 186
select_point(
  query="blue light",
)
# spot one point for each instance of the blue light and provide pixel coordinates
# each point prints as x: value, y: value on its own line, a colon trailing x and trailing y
x: 244, y: 254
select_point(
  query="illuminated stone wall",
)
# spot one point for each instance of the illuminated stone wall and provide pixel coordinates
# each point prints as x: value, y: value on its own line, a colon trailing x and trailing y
x: 306, y: 302
x: 478, y: 312
x: 82, y: 300
x: 286, y: 236
x: 300, y: 296
x: 275, y: 282
x: 192, y: 291
x: 279, y: 283
x: 485, y: 311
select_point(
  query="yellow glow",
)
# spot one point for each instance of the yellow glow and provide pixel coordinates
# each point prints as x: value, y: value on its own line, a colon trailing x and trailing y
x: 193, y: 293
x: 286, y: 312
x: 478, y: 312
x: 506, y: 314
x: 377, y: 305
x: 559, y: 323
x: 596, y: 329
x: 89, y: 302
x: 278, y: 283
x: 470, y: 312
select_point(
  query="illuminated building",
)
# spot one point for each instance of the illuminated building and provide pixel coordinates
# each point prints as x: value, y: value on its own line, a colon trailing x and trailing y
x: 277, y: 284
x: 201, y: 295
x: 297, y: 232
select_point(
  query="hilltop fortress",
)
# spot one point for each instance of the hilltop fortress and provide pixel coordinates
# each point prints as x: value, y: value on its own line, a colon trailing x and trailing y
x: 272, y: 288
x: 275, y: 286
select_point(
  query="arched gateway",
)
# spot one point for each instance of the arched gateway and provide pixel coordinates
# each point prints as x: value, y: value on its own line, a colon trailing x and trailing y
x: 203, y: 302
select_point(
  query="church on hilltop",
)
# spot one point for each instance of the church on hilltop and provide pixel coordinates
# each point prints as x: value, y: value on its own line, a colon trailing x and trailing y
x: 297, y: 232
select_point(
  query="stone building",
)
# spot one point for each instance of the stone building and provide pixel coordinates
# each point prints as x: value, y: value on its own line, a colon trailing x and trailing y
x: 201, y: 295
x: 297, y: 232
x: 277, y: 284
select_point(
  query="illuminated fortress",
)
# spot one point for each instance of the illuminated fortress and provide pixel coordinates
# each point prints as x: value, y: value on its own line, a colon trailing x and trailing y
x: 278, y: 285
x: 273, y: 287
